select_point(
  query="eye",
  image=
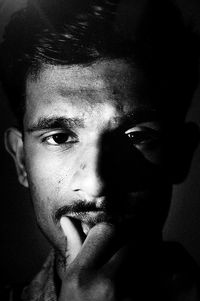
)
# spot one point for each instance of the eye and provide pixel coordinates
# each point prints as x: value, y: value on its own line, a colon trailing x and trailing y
x: 60, y: 139
x: 143, y: 136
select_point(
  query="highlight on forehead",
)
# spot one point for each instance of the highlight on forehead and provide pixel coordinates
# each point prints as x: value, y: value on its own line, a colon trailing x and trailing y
x: 95, y: 69
x: 109, y: 76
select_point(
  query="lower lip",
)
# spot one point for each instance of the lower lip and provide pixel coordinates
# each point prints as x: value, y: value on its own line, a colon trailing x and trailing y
x: 89, y: 219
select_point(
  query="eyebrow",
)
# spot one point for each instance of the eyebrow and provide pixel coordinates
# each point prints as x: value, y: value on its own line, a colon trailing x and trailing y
x: 55, y: 122
x: 141, y: 115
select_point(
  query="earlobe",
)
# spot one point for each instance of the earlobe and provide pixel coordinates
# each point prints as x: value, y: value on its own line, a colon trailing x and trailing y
x: 14, y: 146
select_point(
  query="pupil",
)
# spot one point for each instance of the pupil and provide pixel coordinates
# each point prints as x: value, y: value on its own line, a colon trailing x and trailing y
x: 60, y: 138
x: 140, y: 137
x: 137, y: 137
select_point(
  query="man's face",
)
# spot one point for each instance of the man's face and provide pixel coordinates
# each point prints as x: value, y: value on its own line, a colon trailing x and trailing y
x: 93, y: 149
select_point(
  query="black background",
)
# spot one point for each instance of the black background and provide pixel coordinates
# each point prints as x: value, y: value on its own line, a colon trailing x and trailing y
x: 23, y: 248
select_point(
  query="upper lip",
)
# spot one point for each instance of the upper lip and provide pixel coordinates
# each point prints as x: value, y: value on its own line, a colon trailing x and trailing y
x: 92, y: 218
x: 100, y: 211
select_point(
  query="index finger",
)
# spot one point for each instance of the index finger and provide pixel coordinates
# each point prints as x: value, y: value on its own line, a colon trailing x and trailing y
x: 100, y: 245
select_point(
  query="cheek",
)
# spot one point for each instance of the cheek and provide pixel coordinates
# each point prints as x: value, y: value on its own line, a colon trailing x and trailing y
x: 46, y: 170
x: 48, y: 190
x: 46, y: 183
x: 154, y: 156
x: 50, y: 175
x: 44, y: 175
x: 44, y: 202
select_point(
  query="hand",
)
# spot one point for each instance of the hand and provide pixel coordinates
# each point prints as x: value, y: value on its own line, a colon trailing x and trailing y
x: 92, y: 265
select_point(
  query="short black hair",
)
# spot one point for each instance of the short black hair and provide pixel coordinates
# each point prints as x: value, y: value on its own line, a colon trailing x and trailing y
x: 56, y: 32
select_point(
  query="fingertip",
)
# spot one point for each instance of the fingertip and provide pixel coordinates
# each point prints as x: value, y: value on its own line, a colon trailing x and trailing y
x: 64, y: 223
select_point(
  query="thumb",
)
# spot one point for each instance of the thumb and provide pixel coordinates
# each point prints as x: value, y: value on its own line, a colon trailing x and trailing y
x: 74, y: 241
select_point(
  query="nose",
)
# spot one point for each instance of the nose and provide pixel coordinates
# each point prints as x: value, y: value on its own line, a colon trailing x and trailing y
x: 87, y: 178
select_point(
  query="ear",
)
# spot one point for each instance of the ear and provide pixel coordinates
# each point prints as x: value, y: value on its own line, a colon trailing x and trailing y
x: 14, y: 146
x: 185, y: 145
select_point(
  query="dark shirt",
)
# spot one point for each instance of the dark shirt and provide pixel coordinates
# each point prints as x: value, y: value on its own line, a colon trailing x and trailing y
x: 174, y: 277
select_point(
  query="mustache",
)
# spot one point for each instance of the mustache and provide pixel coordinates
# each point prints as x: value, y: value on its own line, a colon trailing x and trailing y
x: 111, y: 206
x: 79, y: 207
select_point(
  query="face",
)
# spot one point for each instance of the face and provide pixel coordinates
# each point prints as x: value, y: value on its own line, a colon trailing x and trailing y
x: 93, y: 149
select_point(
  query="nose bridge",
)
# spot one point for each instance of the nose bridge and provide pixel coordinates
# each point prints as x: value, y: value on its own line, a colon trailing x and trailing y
x: 90, y: 160
x: 87, y: 177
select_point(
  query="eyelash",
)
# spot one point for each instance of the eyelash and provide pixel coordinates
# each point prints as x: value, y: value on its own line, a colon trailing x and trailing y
x: 143, y: 136
x: 69, y: 138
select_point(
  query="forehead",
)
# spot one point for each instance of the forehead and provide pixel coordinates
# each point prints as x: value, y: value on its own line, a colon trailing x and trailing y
x: 58, y: 88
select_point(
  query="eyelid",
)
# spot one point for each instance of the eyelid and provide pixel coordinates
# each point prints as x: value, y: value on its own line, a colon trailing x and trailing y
x: 50, y: 132
x: 135, y: 129
x: 72, y: 137
x: 147, y: 126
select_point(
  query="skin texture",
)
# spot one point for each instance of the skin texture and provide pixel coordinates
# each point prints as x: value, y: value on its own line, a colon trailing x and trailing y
x: 90, y: 139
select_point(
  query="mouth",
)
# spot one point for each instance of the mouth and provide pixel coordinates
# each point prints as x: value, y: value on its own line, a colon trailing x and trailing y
x: 87, y: 220
x: 85, y: 215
